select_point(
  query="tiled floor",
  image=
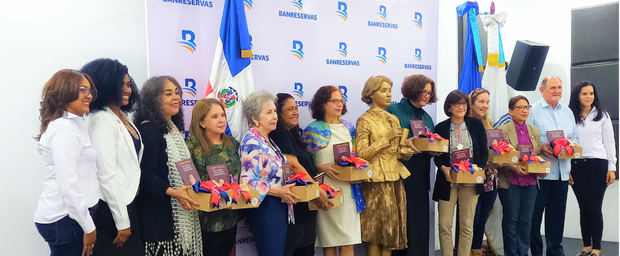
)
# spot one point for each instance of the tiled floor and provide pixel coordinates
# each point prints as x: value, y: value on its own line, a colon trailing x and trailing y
x: 573, y: 246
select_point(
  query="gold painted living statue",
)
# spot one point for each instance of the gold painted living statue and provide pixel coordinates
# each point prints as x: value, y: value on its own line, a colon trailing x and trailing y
x: 384, y: 222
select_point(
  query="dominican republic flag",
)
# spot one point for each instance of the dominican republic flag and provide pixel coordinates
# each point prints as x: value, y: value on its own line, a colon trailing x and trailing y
x: 231, y: 79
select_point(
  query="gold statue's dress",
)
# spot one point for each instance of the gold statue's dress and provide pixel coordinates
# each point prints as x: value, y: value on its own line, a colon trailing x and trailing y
x: 384, y: 221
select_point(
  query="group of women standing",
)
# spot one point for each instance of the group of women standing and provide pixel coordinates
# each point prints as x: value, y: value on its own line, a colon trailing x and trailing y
x: 112, y: 186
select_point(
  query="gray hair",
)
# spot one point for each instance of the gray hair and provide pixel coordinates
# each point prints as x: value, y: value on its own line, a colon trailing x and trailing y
x: 544, y: 81
x: 253, y: 104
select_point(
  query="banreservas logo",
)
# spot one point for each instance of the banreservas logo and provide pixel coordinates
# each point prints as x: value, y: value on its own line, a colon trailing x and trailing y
x: 189, y: 89
x: 342, y: 51
x: 298, y: 91
x: 197, y: 3
x: 382, y: 14
x: 298, y: 6
x: 417, y: 20
x: 417, y: 54
x: 187, y: 40
x: 257, y: 56
x: 343, y: 89
x: 342, y: 11
x: 381, y: 54
x: 297, y: 50
x: 248, y: 4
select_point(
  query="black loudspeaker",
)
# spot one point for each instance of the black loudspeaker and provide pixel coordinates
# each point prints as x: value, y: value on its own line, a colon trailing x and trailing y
x: 526, y: 64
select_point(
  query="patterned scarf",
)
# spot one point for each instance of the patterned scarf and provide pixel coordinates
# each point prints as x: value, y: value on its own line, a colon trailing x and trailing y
x: 187, y: 234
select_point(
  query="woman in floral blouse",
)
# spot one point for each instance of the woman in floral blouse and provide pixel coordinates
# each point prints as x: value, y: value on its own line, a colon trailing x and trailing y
x: 209, y: 145
x: 261, y: 168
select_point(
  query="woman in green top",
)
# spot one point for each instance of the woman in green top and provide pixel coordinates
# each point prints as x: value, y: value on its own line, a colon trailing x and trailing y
x: 209, y: 145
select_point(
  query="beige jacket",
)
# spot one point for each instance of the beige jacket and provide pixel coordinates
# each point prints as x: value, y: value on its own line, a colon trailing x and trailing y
x: 509, y: 131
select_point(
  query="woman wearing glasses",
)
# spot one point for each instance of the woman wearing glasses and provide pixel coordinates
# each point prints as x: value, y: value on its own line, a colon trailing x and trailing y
x: 517, y: 189
x: 64, y: 212
x: 464, y: 132
x: 338, y: 228
x: 418, y: 91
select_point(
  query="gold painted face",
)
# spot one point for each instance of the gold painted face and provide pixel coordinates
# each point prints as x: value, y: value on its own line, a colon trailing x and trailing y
x: 383, y: 96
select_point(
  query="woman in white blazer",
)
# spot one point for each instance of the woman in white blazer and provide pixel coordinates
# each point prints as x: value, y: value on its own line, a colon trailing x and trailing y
x: 119, y: 149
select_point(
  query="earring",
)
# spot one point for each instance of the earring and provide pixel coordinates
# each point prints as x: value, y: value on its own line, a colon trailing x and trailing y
x: 201, y: 126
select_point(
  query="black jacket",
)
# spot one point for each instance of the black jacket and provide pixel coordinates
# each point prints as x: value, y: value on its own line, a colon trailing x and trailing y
x: 479, y: 146
x: 154, y: 206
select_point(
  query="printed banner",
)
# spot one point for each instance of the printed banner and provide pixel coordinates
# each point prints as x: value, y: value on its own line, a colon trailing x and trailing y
x: 298, y: 46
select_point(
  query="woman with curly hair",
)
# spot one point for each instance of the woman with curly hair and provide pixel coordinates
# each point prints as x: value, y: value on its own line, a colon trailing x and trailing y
x: 119, y: 150
x: 339, y: 228
x: 168, y: 218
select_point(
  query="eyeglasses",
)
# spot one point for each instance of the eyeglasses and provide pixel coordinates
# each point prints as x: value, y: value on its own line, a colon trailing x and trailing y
x: 521, y: 108
x: 427, y: 93
x: 336, y: 101
x: 85, y: 90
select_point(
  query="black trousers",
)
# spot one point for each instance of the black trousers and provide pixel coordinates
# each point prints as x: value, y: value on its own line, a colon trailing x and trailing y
x: 551, y: 200
x: 106, y: 232
x: 416, y: 189
x: 218, y: 243
x: 590, y: 177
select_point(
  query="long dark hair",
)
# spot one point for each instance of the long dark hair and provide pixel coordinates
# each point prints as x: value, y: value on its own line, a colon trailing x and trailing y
x: 149, y: 106
x: 62, y: 89
x: 575, y: 105
x: 296, y: 131
x: 108, y: 75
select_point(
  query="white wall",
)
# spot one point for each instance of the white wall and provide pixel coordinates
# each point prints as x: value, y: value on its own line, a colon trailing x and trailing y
x: 40, y: 37
x: 546, y: 22
x: 37, y: 39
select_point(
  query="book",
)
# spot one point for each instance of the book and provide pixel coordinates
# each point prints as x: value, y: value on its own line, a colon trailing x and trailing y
x: 460, y: 155
x: 417, y: 127
x: 340, y: 150
x: 554, y: 135
x: 219, y: 173
x: 188, y: 171
x: 494, y: 135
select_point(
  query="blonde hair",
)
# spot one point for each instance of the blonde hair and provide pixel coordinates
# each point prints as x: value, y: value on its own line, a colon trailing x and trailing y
x: 472, y: 98
x: 200, y: 111
x: 372, y: 85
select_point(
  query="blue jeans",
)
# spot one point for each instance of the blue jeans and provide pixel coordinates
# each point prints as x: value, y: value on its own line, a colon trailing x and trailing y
x: 483, y: 209
x: 65, y: 237
x: 551, y: 200
x: 518, y: 206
